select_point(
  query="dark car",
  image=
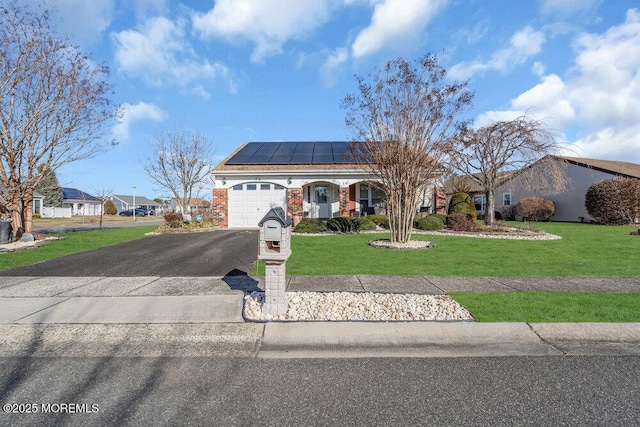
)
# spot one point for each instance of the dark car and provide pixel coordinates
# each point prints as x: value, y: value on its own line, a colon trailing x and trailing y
x: 129, y: 212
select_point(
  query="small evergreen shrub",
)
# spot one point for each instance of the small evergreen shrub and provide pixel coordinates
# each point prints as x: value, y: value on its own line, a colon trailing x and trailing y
x: 364, y: 224
x: 614, y: 201
x: 462, y: 203
x: 341, y: 225
x: 377, y: 219
x: 173, y: 220
x: 110, y: 208
x: 535, y: 209
x: 37, y: 216
x: 310, y: 225
x: 429, y: 223
x: 460, y: 222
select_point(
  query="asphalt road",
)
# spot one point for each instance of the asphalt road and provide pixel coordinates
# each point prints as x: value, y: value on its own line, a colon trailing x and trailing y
x: 233, y: 391
x: 216, y: 253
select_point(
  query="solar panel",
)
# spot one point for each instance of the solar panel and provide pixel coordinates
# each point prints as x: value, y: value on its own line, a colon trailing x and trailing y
x: 282, y: 153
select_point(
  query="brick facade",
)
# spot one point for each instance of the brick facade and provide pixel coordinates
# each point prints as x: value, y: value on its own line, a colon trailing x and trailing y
x: 344, y: 201
x: 220, y: 207
x: 439, y: 201
x: 294, y: 204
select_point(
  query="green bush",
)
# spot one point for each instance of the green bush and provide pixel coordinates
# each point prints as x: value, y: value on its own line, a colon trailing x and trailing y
x: 174, y: 220
x: 377, y: 219
x: 614, y: 201
x: 310, y: 225
x: 364, y: 224
x: 462, y: 203
x: 460, y: 222
x: 535, y: 209
x: 430, y: 223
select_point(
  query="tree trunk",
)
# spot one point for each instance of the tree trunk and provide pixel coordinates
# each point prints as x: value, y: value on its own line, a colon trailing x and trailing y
x: 27, y: 211
x: 490, y: 209
x: 16, y: 216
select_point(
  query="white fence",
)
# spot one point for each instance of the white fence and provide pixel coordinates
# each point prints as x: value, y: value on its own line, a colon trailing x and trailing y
x: 49, y: 212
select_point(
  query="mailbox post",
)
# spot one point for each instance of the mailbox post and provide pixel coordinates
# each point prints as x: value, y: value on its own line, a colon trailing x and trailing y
x: 274, y: 250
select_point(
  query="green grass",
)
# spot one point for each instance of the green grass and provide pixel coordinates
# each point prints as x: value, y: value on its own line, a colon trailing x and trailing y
x: 544, y: 307
x: 79, y: 241
x: 584, y: 250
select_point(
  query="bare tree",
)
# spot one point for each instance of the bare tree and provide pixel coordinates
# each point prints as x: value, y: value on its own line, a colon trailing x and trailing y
x: 180, y: 160
x: 485, y: 154
x: 404, y: 119
x: 54, y: 107
x: 102, y: 192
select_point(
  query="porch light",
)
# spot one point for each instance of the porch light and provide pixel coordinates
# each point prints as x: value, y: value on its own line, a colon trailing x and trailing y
x: 289, y: 181
x: 224, y: 181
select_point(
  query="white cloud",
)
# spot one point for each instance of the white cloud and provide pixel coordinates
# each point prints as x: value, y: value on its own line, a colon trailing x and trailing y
x: 84, y: 21
x: 268, y: 24
x: 524, y: 44
x: 332, y: 65
x: 160, y: 54
x: 134, y: 113
x: 393, y: 22
x: 600, y: 98
x: 567, y: 8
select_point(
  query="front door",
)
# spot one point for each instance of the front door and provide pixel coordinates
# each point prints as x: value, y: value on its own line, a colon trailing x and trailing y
x: 322, y: 201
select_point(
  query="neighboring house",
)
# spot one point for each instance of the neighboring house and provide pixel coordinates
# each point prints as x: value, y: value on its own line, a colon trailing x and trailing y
x: 38, y: 202
x: 581, y: 174
x: 124, y: 203
x: 80, y: 203
x: 476, y: 191
x: 194, y: 205
x: 307, y: 179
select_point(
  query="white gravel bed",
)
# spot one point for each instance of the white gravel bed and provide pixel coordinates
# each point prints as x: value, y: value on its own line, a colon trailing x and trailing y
x: 359, y: 306
x: 411, y: 244
x: 19, y: 246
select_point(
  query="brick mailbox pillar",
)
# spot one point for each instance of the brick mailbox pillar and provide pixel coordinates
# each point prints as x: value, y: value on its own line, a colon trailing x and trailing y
x: 274, y: 249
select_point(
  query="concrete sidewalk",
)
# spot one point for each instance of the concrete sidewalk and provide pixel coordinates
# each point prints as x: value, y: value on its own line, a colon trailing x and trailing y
x: 203, y: 316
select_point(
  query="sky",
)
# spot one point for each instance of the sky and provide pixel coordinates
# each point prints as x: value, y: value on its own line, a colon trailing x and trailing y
x: 276, y: 70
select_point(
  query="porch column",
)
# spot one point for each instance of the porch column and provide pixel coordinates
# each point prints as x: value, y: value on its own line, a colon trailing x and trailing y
x: 344, y: 201
x: 294, y: 204
x: 220, y: 207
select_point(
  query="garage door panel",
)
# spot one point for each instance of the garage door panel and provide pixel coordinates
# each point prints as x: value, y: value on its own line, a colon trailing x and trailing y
x: 248, y: 206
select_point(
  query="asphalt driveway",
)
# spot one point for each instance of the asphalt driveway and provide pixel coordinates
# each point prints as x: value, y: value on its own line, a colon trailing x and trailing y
x: 216, y: 253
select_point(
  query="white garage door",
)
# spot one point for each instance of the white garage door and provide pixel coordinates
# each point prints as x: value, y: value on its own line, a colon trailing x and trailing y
x: 250, y: 202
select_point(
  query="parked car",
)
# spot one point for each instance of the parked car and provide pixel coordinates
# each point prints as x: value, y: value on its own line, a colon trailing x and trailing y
x: 147, y: 211
x: 129, y: 212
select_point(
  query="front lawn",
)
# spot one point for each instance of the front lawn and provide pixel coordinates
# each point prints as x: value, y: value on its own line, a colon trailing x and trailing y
x: 584, y: 250
x: 73, y: 242
x: 540, y: 307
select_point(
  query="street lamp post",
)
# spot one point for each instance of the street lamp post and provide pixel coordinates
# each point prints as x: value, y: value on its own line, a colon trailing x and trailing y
x: 134, y: 202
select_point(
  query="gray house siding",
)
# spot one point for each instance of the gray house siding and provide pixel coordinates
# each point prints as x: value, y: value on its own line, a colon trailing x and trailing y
x: 570, y: 203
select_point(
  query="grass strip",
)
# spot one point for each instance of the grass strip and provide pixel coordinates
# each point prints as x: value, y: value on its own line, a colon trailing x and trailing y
x: 73, y: 242
x: 543, y: 307
x: 584, y: 250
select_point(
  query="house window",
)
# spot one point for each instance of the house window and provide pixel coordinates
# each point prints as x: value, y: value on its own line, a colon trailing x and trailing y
x: 237, y: 187
x: 370, y: 198
x: 480, y: 200
x: 278, y: 187
x: 506, y: 199
x: 252, y: 187
x: 265, y: 186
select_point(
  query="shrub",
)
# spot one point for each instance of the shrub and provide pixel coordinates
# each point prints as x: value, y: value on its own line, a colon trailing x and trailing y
x: 110, y: 208
x: 364, y: 224
x: 614, y: 201
x: 463, y: 203
x: 431, y: 222
x: 460, y: 222
x: 508, y: 213
x: 377, y: 219
x: 173, y: 220
x: 37, y: 216
x: 535, y: 209
x: 310, y: 225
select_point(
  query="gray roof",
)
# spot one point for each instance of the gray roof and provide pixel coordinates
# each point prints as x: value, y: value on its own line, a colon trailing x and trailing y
x: 626, y: 169
x: 140, y: 200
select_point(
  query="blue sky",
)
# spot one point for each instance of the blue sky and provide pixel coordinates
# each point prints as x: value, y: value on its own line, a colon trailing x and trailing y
x: 276, y: 70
